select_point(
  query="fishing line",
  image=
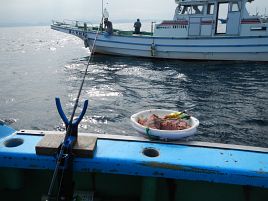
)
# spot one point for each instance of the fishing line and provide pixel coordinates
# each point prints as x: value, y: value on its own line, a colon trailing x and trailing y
x: 69, y: 128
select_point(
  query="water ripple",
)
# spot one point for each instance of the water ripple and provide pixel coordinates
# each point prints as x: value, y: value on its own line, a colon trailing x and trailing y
x: 229, y: 98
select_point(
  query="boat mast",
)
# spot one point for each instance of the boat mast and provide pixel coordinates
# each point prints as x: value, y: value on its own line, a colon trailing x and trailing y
x: 101, y: 14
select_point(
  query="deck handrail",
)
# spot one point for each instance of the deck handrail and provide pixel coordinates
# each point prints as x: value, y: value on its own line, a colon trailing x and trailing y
x: 73, y: 24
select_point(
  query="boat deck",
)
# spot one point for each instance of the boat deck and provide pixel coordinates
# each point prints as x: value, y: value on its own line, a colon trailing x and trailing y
x: 95, y: 28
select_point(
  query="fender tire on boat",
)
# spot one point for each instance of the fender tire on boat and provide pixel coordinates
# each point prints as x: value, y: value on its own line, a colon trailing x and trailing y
x: 86, y: 43
x: 153, y: 49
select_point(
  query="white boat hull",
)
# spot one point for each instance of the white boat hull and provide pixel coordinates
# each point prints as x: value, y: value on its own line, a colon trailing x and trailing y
x: 202, y: 48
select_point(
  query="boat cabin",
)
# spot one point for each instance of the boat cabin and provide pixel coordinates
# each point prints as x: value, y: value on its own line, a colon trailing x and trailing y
x: 205, y: 18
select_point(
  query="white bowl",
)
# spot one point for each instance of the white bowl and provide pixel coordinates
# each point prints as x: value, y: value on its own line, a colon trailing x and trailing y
x: 162, y: 134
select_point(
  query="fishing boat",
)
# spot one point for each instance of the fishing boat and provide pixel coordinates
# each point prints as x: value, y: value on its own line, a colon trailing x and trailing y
x: 112, y: 167
x: 200, y: 29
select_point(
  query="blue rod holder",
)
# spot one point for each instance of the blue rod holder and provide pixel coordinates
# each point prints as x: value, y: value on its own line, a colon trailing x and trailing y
x: 74, y: 126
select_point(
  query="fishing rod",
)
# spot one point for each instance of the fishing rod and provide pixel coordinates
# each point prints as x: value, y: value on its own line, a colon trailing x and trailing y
x: 65, y: 155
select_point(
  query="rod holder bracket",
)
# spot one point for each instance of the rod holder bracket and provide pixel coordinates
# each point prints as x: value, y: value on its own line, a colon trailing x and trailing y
x: 74, y: 125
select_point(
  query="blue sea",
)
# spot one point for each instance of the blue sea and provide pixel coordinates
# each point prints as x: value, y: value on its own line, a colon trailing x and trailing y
x: 38, y: 64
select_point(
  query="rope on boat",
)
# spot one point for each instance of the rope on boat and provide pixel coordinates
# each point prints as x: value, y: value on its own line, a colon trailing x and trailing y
x: 69, y: 128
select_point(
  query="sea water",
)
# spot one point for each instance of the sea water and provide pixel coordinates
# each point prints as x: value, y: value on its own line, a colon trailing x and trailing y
x: 38, y: 64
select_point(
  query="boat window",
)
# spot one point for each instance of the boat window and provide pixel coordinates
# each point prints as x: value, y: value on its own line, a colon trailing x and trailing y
x: 235, y: 7
x: 178, y: 9
x: 210, y: 10
x: 185, y: 9
x: 197, y: 9
x: 222, y: 15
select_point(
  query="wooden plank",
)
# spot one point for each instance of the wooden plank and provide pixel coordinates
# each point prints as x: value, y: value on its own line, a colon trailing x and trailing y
x: 85, y: 146
x: 50, y: 144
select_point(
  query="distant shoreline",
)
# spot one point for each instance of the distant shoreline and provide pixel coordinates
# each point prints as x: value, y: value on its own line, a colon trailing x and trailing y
x: 23, y: 24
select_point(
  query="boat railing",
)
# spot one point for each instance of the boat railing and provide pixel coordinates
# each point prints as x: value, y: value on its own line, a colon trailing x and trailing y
x: 182, y: 1
x: 88, y: 26
x: 74, y: 24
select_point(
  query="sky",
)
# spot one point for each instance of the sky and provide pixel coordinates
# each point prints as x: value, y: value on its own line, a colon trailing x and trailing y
x: 13, y: 12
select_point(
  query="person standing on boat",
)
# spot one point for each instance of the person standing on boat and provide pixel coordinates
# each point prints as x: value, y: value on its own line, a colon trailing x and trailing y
x: 137, y: 26
x: 108, y: 26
